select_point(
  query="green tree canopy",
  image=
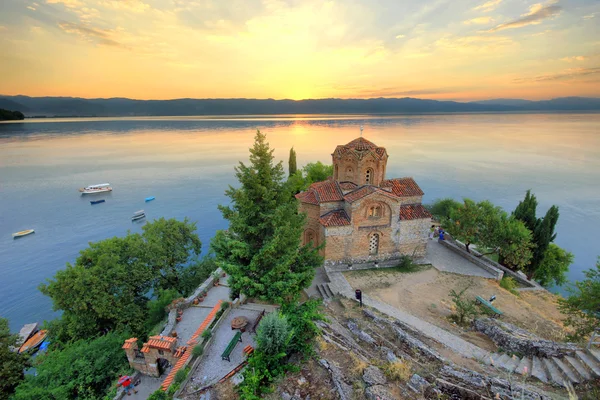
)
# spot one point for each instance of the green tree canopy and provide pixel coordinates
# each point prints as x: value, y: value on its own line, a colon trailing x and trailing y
x: 526, y: 211
x: 470, y: 222
x: 317, y: 171
x: 170, y: 246
x: 582, y: 307
x: 292, y: 168
x: 83, y: 370
x: 554, y: 266
x: 12, y: 363
x: 442, y: 208
x: 543, y: 235
x: 106, y: 288
x: 110, y: 283
x: 261, y: 249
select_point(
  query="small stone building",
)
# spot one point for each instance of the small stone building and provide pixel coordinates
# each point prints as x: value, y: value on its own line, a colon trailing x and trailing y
x: 360, y: 215
x: 155, y: 356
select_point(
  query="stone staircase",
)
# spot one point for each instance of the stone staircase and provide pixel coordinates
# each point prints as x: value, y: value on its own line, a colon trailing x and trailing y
x: 576, y: 368
x: 325, y: 291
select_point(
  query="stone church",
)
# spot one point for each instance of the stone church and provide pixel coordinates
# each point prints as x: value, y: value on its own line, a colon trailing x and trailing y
x: 359, y: 214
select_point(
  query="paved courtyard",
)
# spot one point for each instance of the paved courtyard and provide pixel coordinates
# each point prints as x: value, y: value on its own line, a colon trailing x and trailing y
x: 212, y: 368
x: 446, y: 260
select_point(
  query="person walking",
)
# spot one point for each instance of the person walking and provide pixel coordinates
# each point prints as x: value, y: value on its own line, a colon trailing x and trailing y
x: 125, y: 381
x: 431, y: 232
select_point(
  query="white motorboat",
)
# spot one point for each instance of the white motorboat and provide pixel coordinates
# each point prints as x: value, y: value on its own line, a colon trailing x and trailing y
x: 23, y: 233
x: 138, y: 215
x: 100, y: 188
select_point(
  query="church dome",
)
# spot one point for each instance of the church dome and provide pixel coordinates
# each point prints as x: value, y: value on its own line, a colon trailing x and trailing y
x: 361, y: 144
x: 360, y: 147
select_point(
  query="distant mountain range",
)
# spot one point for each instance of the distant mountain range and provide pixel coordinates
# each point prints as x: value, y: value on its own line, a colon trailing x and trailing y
x: 78, y: 107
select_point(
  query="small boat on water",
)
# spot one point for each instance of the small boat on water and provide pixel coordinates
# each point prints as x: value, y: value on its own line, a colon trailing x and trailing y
x: 138, y: 215
x: 97, y: 201
x: 99, y: 188
x: 34, y: 341
x: 23, y: 233
x: 149, y: 198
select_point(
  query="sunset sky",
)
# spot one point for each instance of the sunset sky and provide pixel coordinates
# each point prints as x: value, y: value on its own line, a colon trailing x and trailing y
x: 162, y: 49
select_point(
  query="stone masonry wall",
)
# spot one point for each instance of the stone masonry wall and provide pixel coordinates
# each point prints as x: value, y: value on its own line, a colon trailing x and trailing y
x: 413, y: 236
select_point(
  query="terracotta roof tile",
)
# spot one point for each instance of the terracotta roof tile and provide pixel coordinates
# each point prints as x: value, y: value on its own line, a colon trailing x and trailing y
x: 129, y: 343
x: 327, y: 191
x: 335, y: 218
x: 359, y: 193
x: 403, y: 187
x: 413, y: 211
x: 309, y: 197
x: 161, y: 342
x: 348, y: 185
x: 178, y: 365
x: 360, y: 147
x: 145, y: 348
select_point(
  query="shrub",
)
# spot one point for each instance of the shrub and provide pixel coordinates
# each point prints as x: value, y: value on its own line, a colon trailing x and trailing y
x: 509, y: 284
x: 224, y: 305
x: 273, y: 334
x: 206, y: 334
x: 301, y: 318
x: 197, y: 351
x: 397, y: 370
x: 158, y: 395
x: 465, y: 309
x: 181, y: 375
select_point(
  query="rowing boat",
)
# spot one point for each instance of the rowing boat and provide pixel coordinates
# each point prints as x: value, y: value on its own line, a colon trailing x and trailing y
x: 149, y: 198
x: 34, y: 341
x: 23, y: 233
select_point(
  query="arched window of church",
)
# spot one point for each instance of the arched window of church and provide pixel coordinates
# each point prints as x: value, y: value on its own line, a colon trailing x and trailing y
x: 374, y: 211
x: 369, y: 176
x: 309, y: 236
x: 374, y: 244
x: 336, y: 175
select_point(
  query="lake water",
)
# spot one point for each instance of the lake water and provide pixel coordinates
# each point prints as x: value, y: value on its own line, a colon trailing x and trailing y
x: 187, y: 164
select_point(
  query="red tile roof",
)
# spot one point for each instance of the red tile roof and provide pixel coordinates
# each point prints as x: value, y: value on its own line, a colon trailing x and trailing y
x: 359, y: 193
x: 129, y: 343
x: 413, y: 211
x: 160, y: 342
x: 403, y: 187
x: 309, y: 197
x: 335, y: 218
x: 348, y: 185
x: 360, y: 147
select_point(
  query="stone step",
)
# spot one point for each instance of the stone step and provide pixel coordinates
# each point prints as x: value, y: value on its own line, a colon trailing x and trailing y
x: 566, y: 370
x: 328, y: 290
x: 320, y: 290
x: 556, y: 376
x: 579, y: 367
x: 500, y: 359
x: 594, y: 353
x: 523, y: 364
x: 324, y: 291
x: 589, y: 363
x: 512, y: 363
x: 537, y: 370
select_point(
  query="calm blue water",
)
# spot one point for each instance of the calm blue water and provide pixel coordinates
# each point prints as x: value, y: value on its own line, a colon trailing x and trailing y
x: 187, y: 164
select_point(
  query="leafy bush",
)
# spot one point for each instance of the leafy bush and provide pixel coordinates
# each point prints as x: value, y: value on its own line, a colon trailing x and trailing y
x: 198, y: 350
x: 181, y: 375
x: 157, y: 308
x: 465, y: 309
x: 224, y: 305
x: 397, y: 370
x: 159, y: 395
x: 301, y: 319
x: 273, y: 334
x: 206, y: 334
x: 509, y: 284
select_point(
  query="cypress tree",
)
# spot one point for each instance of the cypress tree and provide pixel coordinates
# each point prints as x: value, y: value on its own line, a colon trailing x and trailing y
x: 543, y: 235
x: 292, y: 167
x: 526, y: 210
x: 261, y: 250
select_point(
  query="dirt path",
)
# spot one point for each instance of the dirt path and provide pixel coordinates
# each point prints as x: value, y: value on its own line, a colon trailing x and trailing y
x: 424, y: 294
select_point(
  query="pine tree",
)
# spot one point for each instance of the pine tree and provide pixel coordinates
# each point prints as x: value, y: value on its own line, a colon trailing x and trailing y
x: 292, y: 162
x: 261, y: 249
x: 526, y: 211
